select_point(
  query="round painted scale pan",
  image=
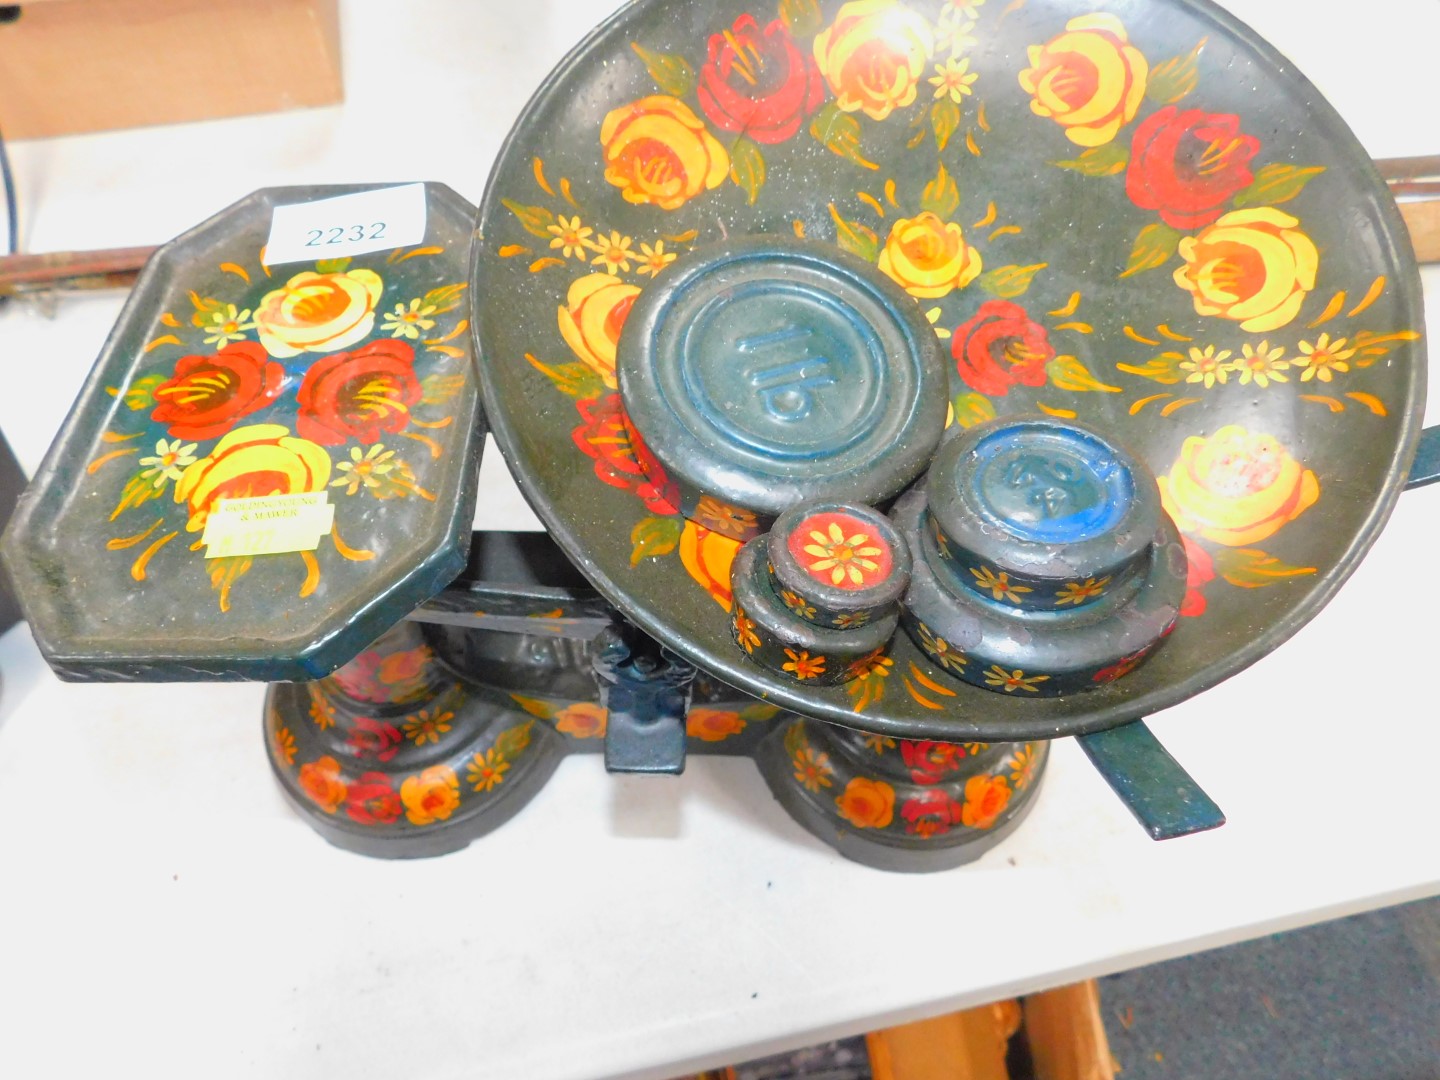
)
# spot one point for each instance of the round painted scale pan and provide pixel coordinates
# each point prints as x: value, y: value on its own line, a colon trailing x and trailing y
x: 1142, y: 218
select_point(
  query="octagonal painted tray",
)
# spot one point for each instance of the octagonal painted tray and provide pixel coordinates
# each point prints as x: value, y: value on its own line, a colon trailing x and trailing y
x: 346, y: 382
x: 1135, y: 214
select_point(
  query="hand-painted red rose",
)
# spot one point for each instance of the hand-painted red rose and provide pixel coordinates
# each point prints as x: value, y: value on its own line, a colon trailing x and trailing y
x: 371, y: 738
x: 756, y: 82
x: 621, y: 458
x: 1199, y: 571
x: 1187, y: 165
x: 928, y: 762
x: 207, y: 395
x: 358, y: 395
x: 372, y: 801
x: 1001, y: 347
x: 930, y: 813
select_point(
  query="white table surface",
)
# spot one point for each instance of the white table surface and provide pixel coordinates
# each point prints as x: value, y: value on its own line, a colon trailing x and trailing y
x: 161, y: 908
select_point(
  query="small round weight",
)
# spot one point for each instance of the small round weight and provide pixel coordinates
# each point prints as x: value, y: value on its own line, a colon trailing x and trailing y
x: 781, y: 635
x: 1040, y: 514
x: 846, y: 562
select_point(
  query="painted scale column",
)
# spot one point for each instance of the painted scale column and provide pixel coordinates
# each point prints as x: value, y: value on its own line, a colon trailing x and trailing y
x: 900, y: 804
x: 395, y: 756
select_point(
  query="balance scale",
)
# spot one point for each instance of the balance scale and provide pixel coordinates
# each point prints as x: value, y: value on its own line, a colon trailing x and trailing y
x: 902, y: 386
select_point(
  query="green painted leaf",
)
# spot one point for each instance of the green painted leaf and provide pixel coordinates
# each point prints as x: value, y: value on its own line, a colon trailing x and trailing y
x: 1107, y: 160
x: 944, y: 121
x: 855, y: 238
x: 1152, y: 249
x: 672, y: 74
x: 1164, y: 369
x: 332, y: 266
x: 1009, y: 282
x: 444, y: 298
x: 971, y: 409
x: 758, y: 712
x: 138, y: 489
x: 839, y: 132
x: 1170, y: 80
x: 801, y: 17
x: 438, y: 389
x: 1251, y: 568
x: 941, y: 195
x: 205, y: 306
x: 511, y: 742
x: 536, y: 219
x: 536, y: 706
x: 140, y: 394
x: 1068, y: 373
x: 574, y: 380
x: 747, y: 167
x: 654, y: 536
x: 1277, y: 183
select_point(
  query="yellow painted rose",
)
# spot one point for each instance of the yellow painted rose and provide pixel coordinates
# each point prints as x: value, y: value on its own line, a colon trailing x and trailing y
x: 1253, y: 266
x: 713, y: 725
x: 261, y: 459
x: 873, y: 56
x: 1090, y: 80
x: 929, y: 257
x: 595, y: 311
x: 866, y: 803
x: 431, y: 796
x: 318, y: 312
x: 583, y: 720
x: 658, y: 151
x: 1236, y: 488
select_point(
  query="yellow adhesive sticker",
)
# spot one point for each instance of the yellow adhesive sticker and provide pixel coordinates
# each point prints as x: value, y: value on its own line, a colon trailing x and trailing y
x: 268, y: 525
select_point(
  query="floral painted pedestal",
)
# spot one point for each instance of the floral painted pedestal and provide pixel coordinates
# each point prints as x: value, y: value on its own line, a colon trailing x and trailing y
x: 452, y: 721
x: 395, y: 756
x: 900, y: 804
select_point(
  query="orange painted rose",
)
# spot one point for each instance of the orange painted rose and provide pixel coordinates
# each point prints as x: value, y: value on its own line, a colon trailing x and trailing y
x: 1090, y: 80
x: 320, y: 780
x: 928, y: 257
x: 261, y: 459
x: 658, y: 151
x: 867, y: 804
x: 583, y: 720
x: 707, y: 556
x: 1252, y: 266
x: 595, y: 311
x: 873, y: 56
x: 318, y: 312
x: 403, y: 668
x: 1236, y: 488
x: 431, y: 796
x: 985, y: 799
x: 207, y: 395
x: 713, y: 725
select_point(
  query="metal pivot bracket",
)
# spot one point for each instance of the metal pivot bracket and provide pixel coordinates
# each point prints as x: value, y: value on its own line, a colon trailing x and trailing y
x: 645, y: 689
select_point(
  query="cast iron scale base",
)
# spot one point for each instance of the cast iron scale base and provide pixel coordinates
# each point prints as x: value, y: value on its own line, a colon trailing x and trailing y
x: 450, y: 723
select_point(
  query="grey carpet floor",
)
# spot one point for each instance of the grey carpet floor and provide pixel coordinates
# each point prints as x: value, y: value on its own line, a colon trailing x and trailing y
x: 1352, y: 999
